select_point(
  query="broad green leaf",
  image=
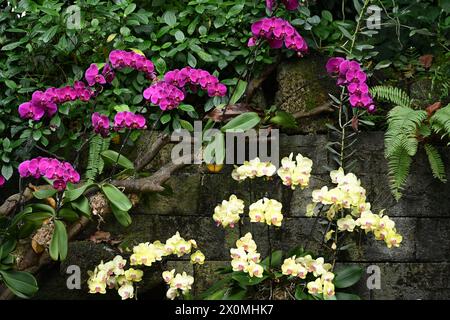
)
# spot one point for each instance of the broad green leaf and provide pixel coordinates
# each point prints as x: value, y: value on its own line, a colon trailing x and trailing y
x: 235, y: 294
x: 122, y: 216
x: 38, y: 217
x: 11, y: 46
x: 242, y: 122
x: 82, y: 205
x: 301, y: 293
x: 383, y: 64
x: 214, y: 151
x: 238, y: 92
x: 59, y: 242
x: 218, y: 295
x: 112, y: 157
x: 186, y: 125
x: 131, y: 7
x: 7, y: 247
x: 186, y: 107
x: 346, y: 296
x: 7, y: 171
x: 284, y: 120
x: 68, y: 215
x: 245, y: 280
x: 71, y: 195
x: 169, y: 18
x: 42, y: 207
x: 179, y: 35
x: 276, y: 259
x: 45, y: 193
x: 116, y: 197
x: 49, y: 34
x: 22, y: 284
x: 165, y: 118
x: 347, y: 276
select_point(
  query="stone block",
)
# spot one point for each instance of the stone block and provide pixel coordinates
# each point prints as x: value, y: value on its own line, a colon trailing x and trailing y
x: 211, y: 240
x: 180, y: 198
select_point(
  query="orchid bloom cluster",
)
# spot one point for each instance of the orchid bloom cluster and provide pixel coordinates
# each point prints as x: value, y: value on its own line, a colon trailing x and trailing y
x: 350, y: 75
x: 45, y: 103
x: 227, y: 213
x: 120, y: 59
x: 196, y: 77
x: 277, y: 32
x: 129, y: 120
x: 60, y: 172
x: 289, y: 4
x: 164, y: 95
x: 245, y: 258
x: 2, y: 180
x: 178, y: 283
x: 123, y: 119
x: 112, y: 275
x: 169, y: 93
x: 148, y: 253
x: 350, y: 195
x: 295, y: 172
x: 302, y: 266
x: 253, y: 169
x: 266, y: 211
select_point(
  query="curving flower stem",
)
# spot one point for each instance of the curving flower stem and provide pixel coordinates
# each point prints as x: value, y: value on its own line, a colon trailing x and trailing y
x: 113, y: 172
x: 358, y: 24
x: 269, y: 240
x: 342, y: 126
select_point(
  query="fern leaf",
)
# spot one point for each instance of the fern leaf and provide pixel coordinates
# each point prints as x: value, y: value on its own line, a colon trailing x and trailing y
x: 95, y: 162
x: 436, y: 163
x: 395, y: 95
x: 440, y: 121
x: 399, y: 165
x: 403, y: 123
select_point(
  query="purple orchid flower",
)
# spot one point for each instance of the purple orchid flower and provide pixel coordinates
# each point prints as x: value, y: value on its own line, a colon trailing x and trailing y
x: 92, y: 75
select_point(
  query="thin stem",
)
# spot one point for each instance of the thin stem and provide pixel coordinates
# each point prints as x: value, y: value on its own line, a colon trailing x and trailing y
x: 358, y: 23
x: 270, y: 248
x: 118, y: 154
x: 48, y: 152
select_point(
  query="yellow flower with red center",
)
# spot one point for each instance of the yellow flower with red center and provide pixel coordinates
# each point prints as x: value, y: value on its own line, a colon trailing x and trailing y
x: 295, y: 172
x: 227, y: 213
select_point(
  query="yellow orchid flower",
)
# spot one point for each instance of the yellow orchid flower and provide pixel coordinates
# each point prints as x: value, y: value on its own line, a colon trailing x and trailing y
x: 315, y: 287
x: 346, y: 224
x: 134, y: 275
x: 198, y: 257
x: 126, y: 291
x: 168, y: 275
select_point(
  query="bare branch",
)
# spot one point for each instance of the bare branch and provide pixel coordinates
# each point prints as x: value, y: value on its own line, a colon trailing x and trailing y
x: 152, y: 183
x: 145, y: 159
x: 13, y: 201
x: 325, y: 108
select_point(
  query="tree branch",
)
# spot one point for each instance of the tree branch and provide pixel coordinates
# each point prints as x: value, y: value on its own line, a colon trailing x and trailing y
x: 325, y: 108
x: 152, y: 183
x: 161, y: 140
x: 13, y: 201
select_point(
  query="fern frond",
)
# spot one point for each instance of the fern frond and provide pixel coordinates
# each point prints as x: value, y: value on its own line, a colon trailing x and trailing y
x: 395, y: 95
x: 399, y: 165
x: 403, y: 123
x: 95, y: 162
x: 436, y: 163
x: 440, y: 121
